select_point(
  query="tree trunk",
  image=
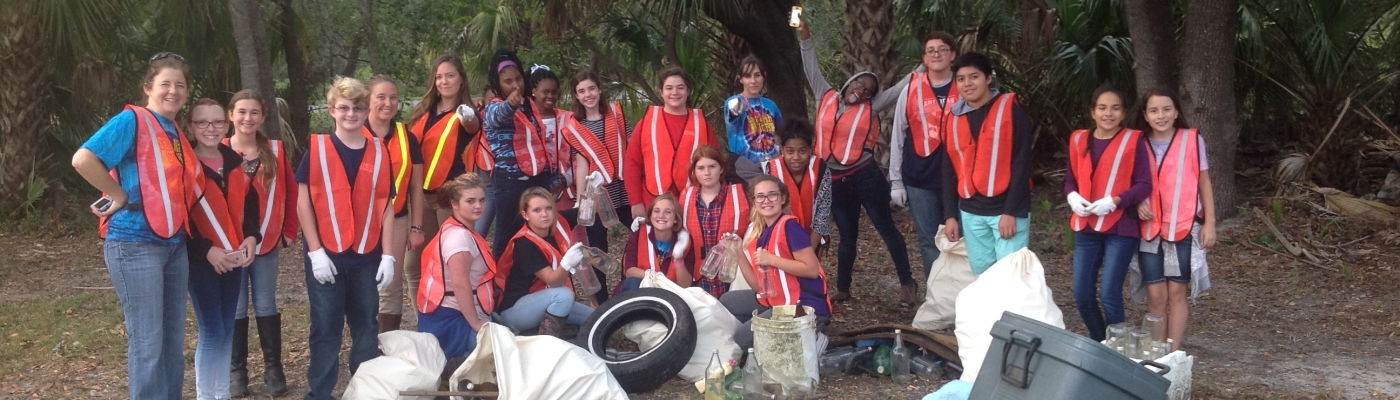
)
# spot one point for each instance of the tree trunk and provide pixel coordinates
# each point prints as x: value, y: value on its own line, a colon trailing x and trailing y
x: 371, y: 34
x: 763, y: 25
x: 1151, y: 24
x: 298, y: 74
x: 254, y: 57
x: 1208, y: 94
x: 352, y: 61
x: 870, y: 38
x: 24, y: 77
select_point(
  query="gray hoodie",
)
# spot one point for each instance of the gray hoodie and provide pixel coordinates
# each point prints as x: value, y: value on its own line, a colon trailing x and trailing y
x: 819, y: 86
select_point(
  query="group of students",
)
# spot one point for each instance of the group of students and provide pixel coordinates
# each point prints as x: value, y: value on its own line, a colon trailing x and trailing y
x: 386, y: 207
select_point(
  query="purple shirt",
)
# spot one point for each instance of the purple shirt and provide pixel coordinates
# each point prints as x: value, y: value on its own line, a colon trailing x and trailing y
x: 1141, y: 186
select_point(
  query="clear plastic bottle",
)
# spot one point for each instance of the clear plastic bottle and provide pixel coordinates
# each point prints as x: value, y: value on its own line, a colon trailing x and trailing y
x: 753, y: 378
x: 714, y: 378
x: 899, y: 359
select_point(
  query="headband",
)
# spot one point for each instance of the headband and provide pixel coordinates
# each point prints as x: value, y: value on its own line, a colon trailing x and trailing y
x: 504, y: 64
x: 538, y: 67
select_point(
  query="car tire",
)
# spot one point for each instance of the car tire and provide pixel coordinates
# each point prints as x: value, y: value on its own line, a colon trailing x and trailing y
x: 645, y: 371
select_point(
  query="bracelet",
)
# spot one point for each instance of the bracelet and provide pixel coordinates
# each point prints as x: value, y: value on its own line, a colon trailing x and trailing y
x: 416, y: 229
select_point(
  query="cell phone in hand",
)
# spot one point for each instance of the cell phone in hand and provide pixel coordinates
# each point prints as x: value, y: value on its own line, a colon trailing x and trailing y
x: 795, y: 18
x: 238, y: 255
x: 103, y: 204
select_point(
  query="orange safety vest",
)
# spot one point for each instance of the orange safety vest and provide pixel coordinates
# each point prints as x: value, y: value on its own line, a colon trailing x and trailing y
x: 732, y: 219
x: 169, y: 184
x: 983, y: 163
x: 1175, y: 186
x: 348, y: 217
x: 599, y: 153
x: 844, y: 135
x: 925, y: 115
x: 531, y: 150
x: 552, y: 251
x: 648, y: 258
x: 399, y: 162
x: 659, y: 155
x: 802, y: 195
x: 219, y: 213
x: 1107, y: 178
x: 791, y: 288
x: 272, y: 199
x: 432, y: 288
x: 439, y: 144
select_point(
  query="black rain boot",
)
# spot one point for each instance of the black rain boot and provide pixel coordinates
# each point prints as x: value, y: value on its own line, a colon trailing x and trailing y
x: 238, y: 366
x: 270, y: 337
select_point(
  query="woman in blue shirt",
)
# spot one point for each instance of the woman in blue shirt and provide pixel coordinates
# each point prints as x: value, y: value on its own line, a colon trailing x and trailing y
x: 750, y: 121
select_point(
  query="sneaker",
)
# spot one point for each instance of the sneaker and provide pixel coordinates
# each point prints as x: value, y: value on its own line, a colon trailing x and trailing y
x: 839, y: 296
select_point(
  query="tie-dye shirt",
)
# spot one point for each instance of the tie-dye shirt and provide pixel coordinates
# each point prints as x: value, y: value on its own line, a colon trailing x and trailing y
x: 752, y: 134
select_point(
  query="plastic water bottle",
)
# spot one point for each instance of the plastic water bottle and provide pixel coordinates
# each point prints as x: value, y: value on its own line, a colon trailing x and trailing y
x: 899, y: 358
x: 714, y: 378
x: 753, y: 378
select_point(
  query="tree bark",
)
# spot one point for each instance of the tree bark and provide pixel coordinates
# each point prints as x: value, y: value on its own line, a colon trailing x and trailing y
x: 352, y: 61
x: 763, y: 25
x: 870, y: 39
x: 1151, y: 24
x: 371, y: 34
x: 254, y: 57
x: 24, y: 100
x: 298, y: 78
x: 1208, y: 91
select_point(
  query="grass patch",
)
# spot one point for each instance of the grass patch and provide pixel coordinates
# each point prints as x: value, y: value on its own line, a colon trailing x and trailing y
x: 62, y: 330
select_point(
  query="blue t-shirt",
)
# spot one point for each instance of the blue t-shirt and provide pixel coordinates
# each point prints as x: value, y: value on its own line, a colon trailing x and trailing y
x: 753, y: 134
x: 115, y: 144
x: 350, y: 160
x: 812, y: 288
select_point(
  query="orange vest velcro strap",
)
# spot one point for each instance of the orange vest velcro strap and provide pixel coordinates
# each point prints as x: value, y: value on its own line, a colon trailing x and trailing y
x: 844, y: 135
x: 668, y: 164
x: 432, y: 288
x: 348, y: 217
x: 801, y: 196
x: 1112, y: 175
x: 925, y: 114
x: 1175, y: 187
x: 219, y: 214
x: 439, y: 146
x: 734, y: 218
x: 580, y: 139
x: 169, y: 182
x: 983, y: 162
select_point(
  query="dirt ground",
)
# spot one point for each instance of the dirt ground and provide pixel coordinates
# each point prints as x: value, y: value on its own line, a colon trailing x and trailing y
x: 1270, y: 327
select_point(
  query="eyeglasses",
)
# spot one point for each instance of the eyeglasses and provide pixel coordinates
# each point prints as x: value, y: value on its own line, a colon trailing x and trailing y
x: 860, y: 85
x: 938, y: 51
x: 165, y: 54
x: 346, y: 109
x: 766, y: 197
x: 205, y: 124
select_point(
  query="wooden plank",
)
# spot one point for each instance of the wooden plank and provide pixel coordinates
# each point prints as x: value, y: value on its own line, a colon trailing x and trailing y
x: 447, y: 393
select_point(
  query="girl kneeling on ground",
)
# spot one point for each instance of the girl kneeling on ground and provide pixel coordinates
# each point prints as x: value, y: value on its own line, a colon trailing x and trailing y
x: 659, y: 246
x: 780, y: 258
x: 535, y: 267
x: 711, y: 208
x: 454, y: 268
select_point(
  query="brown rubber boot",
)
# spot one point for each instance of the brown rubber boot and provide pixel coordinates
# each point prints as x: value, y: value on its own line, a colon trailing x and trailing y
x: 908, y: 295
x: 551, y: 325
x: 389, y: 322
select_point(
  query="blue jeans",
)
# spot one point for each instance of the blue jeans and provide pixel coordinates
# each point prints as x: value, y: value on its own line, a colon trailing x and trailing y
x: 151, y: 282
x: 1112, y: 253
x: 506, y: 196
x: 866, y: 187
x: 483, y: 225
x: 214, y: 297
x: 527, y: 312
x: 927, y: 209
x: 984, y: 243
x: 262, y: 276
x: 353, y: 299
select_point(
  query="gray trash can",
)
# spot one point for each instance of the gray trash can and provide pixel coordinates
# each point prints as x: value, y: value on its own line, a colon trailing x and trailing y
x: 1030, y: 359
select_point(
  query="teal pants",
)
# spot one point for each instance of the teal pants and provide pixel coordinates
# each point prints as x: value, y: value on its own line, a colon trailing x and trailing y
x: 984, y: 243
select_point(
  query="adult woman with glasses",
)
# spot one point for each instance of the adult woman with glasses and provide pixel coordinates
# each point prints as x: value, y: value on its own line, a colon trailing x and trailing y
x: 147, y: 172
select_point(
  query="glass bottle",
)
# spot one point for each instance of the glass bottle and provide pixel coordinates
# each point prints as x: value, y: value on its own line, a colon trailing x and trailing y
x: 899, y: 359
x: 714, y: 378
x: 586, y: 280
x: 753, y: 378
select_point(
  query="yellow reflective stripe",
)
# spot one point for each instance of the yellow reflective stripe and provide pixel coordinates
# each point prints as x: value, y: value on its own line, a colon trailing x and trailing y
x: 437, y: 153
x: 403, y: 167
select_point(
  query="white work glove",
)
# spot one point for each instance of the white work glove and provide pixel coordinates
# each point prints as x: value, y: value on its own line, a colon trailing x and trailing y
x: 466, y: 113
x: 637, y: 223
x: 1103, y: 206
x: 734, y: 107
x: 899, y: 197
x: 321, y: 267
x: 682, y: 245
x: 595, y: 178
x: 386, y: 271
x: 572, y: 258
x: 1078, y: 204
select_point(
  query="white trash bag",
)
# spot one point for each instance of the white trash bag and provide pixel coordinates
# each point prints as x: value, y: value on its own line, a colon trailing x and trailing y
x: 1016, y: 284
x: 950, y: 273
x: 535, y: 368
x: 714, y: 327
x: 411, y: 361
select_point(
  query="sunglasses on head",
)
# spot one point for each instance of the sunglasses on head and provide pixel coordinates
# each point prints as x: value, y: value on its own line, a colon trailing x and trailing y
x: 165, y: 54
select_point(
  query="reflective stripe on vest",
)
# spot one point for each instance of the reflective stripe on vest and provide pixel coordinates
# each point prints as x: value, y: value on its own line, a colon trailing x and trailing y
x: 272, y: 203
x: 732, y: 218
x: 790, y: 286
x: 531, y: 152
x: 552, y: 252
x: 439, y: 146
x: 844, y: 135
x: 348, y: 216
x: 169, y: 185
x: 801, y: 196
x: 401, y: 163
x: 982, y: 159
x: 667, y: 164
x: 648, y: 260
x: 578, y: 138
x: 1107, y: 179
x: 922, y: 106
x: 219, y: 213
x: 1175, y: 186
x: 433, y: 286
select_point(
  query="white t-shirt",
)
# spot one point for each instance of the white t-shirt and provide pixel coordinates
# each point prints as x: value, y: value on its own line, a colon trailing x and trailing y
x: 456, y: 239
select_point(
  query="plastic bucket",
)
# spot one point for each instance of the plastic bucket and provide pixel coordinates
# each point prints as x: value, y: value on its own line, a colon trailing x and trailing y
x: 788, y: 351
